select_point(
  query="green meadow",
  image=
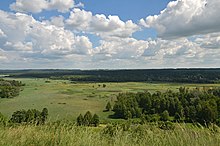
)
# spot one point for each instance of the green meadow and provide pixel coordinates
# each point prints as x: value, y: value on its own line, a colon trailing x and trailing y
x: 66, y: 100
x: 141, y: 135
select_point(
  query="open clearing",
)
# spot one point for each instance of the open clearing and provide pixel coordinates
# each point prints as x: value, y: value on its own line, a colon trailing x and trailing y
x: 66, y: 100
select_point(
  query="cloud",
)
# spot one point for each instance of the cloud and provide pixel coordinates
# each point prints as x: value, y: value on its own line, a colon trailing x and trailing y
x: 174, y: 48
x: 119, y: 48
x: 18, y: 46
x: 210, y: 41
x: 34, y: 6
x: 61, y: 5
x: 100, y: 25
x: 37, y: 6
x: 3, y: 57
x: 185, y: 29
x: 2, y: 34
x: 184, y: 18
x: 184, y: 52
x: 32, y: 43
x: 30, y: 37
x: 57, y: 21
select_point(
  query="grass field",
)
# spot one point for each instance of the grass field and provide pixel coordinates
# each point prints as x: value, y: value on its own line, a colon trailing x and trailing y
x: 141, y: 135
x: 66, y: 100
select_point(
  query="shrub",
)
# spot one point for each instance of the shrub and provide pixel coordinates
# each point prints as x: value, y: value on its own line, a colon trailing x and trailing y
x: 167, y: 125
x: 111, y: 130
x: 165, y: 116
x: 2, y: 119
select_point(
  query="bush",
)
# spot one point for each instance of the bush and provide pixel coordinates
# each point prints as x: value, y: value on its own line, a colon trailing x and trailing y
x: 165, y: 116
x: 218, y: 122
x: 111, y: 130
x: 152, y: 118
x: 167, y: 125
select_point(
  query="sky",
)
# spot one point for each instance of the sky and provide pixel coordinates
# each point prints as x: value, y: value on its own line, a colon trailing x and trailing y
x: 109, y: 34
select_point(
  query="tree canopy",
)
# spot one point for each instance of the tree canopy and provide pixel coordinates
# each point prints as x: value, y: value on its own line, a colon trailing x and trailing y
x: 196, y: 105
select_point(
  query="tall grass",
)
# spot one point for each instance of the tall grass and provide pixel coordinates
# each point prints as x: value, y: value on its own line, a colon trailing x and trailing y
x: 136, y: 135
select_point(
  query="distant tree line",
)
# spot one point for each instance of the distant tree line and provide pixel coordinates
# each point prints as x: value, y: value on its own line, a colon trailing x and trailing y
x: 10, y: 88
x: 88, y: 119
x: 141, y: 75
x: 197, y: 105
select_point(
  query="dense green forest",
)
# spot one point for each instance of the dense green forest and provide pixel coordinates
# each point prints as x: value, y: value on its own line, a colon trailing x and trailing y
x: 198, y: 105
x: 141, y: 75
x: 9, y: 88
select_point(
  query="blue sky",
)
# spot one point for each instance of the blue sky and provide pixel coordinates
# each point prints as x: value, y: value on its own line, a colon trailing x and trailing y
x: 99, y: 34
x: 126, y: 9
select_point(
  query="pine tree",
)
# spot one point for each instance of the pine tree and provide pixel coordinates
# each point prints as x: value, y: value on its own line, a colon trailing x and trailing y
x: 95, y: 120
x: 80, y: 120
x: 87, y: 118
x: 108, y: 106
x: 44, y: 115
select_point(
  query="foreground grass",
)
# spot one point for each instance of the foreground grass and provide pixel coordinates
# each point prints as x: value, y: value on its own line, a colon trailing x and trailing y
x: 64, y: 135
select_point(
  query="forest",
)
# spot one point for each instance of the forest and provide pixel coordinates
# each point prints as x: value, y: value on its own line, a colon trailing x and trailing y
x: 140, y: 75
x: 10, y: 88
x: 189, y: 106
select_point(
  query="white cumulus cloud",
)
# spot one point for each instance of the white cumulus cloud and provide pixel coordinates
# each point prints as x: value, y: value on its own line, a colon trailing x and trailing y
x: 36, y: 6
x: 120, y: 48
x: 184, y: 18
x: 99, y: 24
x: 25, y: 34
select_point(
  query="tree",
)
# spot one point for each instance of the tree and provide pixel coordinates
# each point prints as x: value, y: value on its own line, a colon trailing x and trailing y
x: 33, y: 116
x: 208, y: 114
x: 9, y: 88
x: 18, y: 117
x: 108, y: 106
x: 87, y: 118
x: 165, y: 116
x: 128, y: 114
x: 177, y: 117
x: 80, y: 120
x: 30, y: 116
x: 95, y: 120
x: 44, y: 115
